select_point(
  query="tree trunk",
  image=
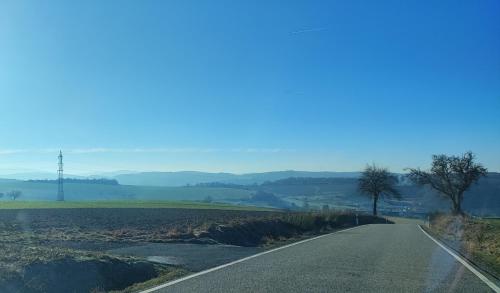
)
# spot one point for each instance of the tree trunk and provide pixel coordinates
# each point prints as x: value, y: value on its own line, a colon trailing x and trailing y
x: 457, y: 208
x: 457, y: 205
x: 375, y: 198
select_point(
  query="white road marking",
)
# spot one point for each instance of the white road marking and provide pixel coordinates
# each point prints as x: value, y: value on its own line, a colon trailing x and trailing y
x: 240, y: 260
x: 465, y: 263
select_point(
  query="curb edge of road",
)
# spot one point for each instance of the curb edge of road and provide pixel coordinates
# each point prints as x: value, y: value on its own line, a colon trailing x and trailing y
x: 150, y: 290
x: 464, y: 262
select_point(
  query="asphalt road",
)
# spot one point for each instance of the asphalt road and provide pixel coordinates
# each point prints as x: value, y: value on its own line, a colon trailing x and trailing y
x: 372, y: 258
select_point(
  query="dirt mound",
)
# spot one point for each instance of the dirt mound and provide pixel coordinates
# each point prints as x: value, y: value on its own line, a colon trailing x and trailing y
x: 70, y: 275
x: 257, y: 232
x: 249, y: 233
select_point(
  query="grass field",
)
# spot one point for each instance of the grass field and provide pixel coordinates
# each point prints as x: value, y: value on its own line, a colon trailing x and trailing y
x: 84, y: 192
x: 8, y: 204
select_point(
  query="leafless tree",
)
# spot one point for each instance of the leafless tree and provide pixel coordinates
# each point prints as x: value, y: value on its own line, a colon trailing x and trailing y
x: 377, y: 182
x: 451, y: 176
x: 14, y: 194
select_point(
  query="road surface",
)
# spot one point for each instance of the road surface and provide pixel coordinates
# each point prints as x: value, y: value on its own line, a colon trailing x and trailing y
x: 371, y: 258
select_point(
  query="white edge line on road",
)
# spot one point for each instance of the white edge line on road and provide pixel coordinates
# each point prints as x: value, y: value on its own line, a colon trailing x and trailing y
x: 241, y: 260
x: 465, y: 263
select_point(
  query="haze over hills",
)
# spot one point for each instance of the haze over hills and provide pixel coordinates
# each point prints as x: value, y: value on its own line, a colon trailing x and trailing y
x: 35, y: 175
x: 193, y: 177
x: 182, y: 178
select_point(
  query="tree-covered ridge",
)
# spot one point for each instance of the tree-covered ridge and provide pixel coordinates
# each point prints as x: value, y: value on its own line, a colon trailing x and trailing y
x: 103, y: 181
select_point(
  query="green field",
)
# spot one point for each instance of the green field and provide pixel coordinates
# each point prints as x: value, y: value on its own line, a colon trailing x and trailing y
x: 96, y: 192
x: 124, y: 204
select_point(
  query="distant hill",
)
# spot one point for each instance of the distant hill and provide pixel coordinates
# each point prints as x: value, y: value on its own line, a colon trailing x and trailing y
x: 192, y: 177
x: 482, y: 198
x: 37, y: 176
x: 102, y: 181
x: 181, y: 178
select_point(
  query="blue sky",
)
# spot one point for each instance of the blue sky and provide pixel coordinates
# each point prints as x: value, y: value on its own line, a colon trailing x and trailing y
x: 244, y: 86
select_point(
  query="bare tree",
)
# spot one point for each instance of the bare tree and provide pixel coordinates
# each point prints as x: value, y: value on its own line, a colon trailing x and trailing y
x: 14, y: 194
x: 377, y: 182
x: 451, y: 176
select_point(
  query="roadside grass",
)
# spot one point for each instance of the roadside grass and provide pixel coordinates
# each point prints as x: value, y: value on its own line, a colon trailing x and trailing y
x: 15, y: 256
x: 487, y: 243
x: 478, y: 239
x: 165, y: 275
x: 402, y: 220
x: 276, y: 227
x: 125, y: 204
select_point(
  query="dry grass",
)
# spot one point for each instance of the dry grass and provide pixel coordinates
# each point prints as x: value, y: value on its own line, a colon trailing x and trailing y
x: 478, y: 239
x: 165, y: 276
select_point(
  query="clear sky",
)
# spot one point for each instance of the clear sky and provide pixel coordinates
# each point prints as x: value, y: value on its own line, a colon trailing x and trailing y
x: 244, y: 86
